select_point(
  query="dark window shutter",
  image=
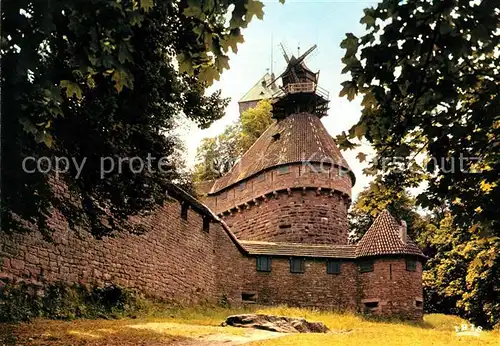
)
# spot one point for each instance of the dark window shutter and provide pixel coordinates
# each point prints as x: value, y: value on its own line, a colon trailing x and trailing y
x: 333, y: 267
x: 297, y: 265
x: 263, y: 263
x: 366, y: 266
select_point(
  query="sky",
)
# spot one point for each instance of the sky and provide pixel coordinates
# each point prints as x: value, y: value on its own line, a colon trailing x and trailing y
x: 295, y: 24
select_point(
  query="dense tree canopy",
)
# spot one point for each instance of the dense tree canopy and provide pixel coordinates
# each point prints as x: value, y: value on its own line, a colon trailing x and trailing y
x: 98, y: 81
x: 428, y: 72
x: 377, y: 197
x: 217, y: 155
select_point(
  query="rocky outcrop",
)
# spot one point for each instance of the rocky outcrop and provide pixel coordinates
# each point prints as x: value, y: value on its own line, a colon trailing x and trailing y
x: 280, y: 324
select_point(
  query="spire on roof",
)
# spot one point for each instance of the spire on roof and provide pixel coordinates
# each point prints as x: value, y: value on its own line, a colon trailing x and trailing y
x: 386, y: 237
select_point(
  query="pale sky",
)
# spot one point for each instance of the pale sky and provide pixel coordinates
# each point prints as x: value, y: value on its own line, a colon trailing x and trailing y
x: 296, y: 23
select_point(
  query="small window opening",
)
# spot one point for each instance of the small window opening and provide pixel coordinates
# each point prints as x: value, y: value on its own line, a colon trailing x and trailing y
x: 206, y: 224
x: 277, y: 136
x: 249, y: 297
x: 297, y: 265
x: 184, y: 210
x: 285, y: 226
x: 371, y: 305
x: 366, y: 266
x: 261, y: 177
x: 242, y: 186
x: 419, y: 303
x: 411, y: 265
x: 263, y: 263
x: 333, y: 267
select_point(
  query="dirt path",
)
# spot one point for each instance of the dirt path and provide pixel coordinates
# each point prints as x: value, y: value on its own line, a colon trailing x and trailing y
x: 215, y: 337
x: 127, y: 333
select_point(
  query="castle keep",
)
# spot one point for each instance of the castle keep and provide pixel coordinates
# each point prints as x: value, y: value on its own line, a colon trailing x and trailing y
x: 273, y: 230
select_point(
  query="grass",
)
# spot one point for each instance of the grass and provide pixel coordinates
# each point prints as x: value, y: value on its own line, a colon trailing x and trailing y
x: 200, y: 325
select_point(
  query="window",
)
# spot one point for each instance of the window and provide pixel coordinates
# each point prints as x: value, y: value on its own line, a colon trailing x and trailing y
x: 333, y: 267
x: 419, y: 303
x: 261, y: 177
x: 371, y: 305
x: 366, y: 266
x: 242, y: 186
x: 249, y: 297
x: 206, y: 224
x: 411, y: 265
x: 223, y: 195
x: 184, y: 210
x: 263, y: 263
x: 297, y: 265
x: 283, y: 170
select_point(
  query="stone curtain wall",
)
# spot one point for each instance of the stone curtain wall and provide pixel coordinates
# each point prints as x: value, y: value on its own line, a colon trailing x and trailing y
x: 174, y: 259
x: 313, y: 288
x: 299, y: 217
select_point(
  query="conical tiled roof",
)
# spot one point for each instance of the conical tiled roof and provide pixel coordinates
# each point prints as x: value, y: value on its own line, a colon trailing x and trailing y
x: 382, y: 238
x: 297, y: 138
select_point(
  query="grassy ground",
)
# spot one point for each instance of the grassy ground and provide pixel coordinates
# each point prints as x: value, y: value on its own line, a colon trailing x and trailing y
x: 201, y: 326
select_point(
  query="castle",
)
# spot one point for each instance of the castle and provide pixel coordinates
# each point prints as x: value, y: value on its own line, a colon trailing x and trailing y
x: 273, y: 230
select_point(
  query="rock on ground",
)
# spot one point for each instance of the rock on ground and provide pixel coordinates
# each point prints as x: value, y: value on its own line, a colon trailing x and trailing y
x: 280, y: 324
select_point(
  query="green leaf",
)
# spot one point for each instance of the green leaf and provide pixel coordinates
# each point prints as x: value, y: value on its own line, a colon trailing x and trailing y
x: 360, y: 130
x: 350, y: 43
x: 232, y: 41
x: 208, y: 5
x: 350, y: 89
x: 254, y: 8
x: 368, y: 19
x: 403, y: 150
x: 368, y: 100
x: 71, y: 89
x: 222, y: 62
x: 124, y: 54
x: 193, y: 10
x: 208, y: 74
x: 121, y: 78
x: 28, y: 125
x: 185, y: 65
x: 146, y: 5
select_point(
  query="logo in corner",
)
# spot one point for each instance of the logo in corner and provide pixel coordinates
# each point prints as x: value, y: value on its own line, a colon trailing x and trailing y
x: 468, y: 330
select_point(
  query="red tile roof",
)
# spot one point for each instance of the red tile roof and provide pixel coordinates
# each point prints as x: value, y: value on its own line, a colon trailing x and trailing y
x: 302, y: 138
x: 382, y: 238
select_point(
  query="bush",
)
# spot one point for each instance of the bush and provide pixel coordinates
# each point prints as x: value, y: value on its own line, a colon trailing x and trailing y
x: 23, y: 302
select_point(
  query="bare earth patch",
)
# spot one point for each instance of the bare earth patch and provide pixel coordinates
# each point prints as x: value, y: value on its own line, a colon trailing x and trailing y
x: 127, y: 332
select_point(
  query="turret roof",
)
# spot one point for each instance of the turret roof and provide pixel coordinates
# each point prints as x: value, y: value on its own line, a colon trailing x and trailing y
x: 382, y: 238
x: 298, y: 138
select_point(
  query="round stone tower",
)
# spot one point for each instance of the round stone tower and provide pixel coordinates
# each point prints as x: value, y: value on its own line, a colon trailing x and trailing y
x: 292, y: 185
